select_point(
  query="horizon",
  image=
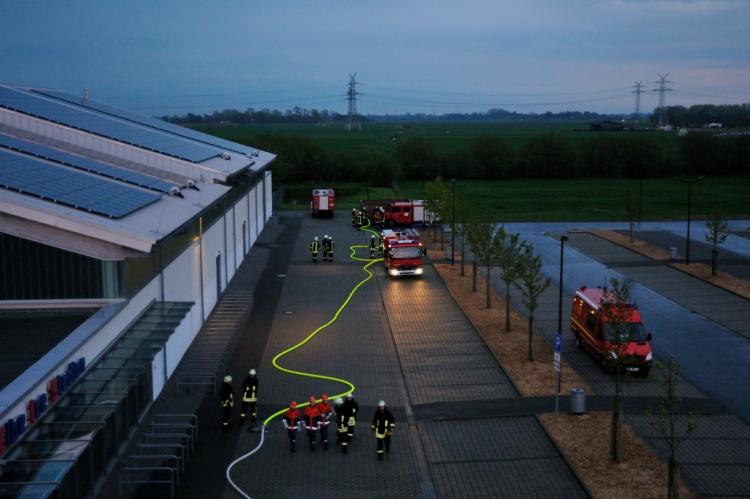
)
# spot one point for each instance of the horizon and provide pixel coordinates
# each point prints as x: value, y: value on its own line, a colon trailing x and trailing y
x: 419, y: 58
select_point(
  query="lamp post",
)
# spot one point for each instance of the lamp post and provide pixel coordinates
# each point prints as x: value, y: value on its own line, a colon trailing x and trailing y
x: 558, y: 340
x: 453, y: 222
x: 640, y: 201
x: 690, y: 183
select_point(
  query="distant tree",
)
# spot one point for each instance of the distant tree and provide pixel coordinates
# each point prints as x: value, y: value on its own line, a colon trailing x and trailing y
x: 617, y: 311
x: 464, y: 213
x: 417, y: 157
x: 532, y: 285
x: 380, y: 169
x: 548, y: 155
x: 438, y: 197
x: 480, y: 236
x: 492, y: 157
x: 718, y: 230
x: 669, y: 421
x: 699, y: 153
x: 507, y: 250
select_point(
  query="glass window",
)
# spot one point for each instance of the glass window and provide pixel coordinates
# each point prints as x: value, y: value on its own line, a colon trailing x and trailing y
x: 629, y: 331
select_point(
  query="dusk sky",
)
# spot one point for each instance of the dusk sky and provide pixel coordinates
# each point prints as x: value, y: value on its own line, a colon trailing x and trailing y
x: 429, y: 56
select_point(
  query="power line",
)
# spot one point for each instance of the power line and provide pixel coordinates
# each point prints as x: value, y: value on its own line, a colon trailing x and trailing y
x: 662, y: 109
x: 352, y: 120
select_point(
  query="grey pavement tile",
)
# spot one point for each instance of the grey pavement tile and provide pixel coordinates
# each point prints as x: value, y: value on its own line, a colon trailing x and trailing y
x: 707, y: 426
x: 486, y: 440
x: 538, y: 478
x: 719, y: 480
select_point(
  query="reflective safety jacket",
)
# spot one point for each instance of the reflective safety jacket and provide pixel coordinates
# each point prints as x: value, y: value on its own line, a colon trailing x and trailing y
x: 311, y: 417
x: 383, y: 423
x: 291, y: 419
x: 350, y: 408
x: 374, y: 243
x: 250, y: 392
x: 341, y: 418
x: 227, y: 396
x: 314, y: 246
x: 325, y: 413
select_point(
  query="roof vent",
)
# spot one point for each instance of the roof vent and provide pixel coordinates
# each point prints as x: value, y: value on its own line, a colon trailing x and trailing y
x: 175, y: 191
x: 226, y: 156
x: 191, y: 184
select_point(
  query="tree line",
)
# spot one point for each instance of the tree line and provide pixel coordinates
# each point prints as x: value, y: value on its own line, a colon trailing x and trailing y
x: 547, y: 155
x: 730, y: 115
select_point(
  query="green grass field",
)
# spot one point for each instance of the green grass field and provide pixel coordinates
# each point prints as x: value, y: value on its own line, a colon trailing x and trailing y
x: 447, y: 137
x: 558, y: 200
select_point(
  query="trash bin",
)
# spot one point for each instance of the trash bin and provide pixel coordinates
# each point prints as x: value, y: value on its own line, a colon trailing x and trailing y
x: 673, y: 253
x: 577, y: 401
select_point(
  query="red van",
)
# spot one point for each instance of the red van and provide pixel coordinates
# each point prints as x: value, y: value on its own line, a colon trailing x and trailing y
x: 589, y: 324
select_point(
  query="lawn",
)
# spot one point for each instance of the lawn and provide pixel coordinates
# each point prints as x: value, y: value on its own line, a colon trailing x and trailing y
x: 551, y: 200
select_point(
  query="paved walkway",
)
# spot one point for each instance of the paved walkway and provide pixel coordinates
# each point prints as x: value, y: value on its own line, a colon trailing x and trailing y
x: 715, y: 458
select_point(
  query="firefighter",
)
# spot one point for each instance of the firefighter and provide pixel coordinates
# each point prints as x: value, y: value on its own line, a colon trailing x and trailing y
x: 326, y: 415
x: 382, y: 215
x: 341, y: 419
x: 311, y: 421
x: 383, y: 425
x: 377, y: 217
x: 354, y: 217
x: 360, y: 219
x: 250, y: 397
x: 374, y: 244
x: 314, y: 249
x: 325, y: 245
x: 227, y: 402
x: 350, y: 409
x: 292, y: 423
x: 330, y: 249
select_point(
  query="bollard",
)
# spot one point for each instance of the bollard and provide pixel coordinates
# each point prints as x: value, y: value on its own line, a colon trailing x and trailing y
x: 672, y: 254
x: 577, y: 401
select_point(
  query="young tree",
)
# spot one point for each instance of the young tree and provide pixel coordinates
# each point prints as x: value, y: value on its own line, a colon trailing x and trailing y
x: 481, y: 240
x: 669, y: 423
x: 617, y: 311
x: 631, y: 207
x: 463, y: 215
x: 533, y: 284
x: 437, y: 195
x: 507, y: 254
x: 718, y: 230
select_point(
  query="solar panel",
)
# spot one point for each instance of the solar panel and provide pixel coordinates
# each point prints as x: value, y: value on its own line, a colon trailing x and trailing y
x: 150, y: 122
x: 69, y: 187
x: 76, y: 117
x: 81, y: 163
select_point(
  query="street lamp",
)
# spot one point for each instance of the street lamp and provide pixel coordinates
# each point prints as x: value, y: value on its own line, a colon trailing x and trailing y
x: 453, y: 222
x: 690, y: 183
x: 558, y: 341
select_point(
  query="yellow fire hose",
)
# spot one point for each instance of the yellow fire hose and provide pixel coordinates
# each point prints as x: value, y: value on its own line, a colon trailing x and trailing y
x: 350, y: 386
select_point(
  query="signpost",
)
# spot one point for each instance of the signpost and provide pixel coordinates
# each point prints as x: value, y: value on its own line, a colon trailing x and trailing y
x: 558, y: 350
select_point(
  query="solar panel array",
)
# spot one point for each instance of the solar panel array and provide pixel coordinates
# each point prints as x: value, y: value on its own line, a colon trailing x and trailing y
x: 69, y: 187
x: 150, y: 122
x: 76, y: 117
x: 80, y: 163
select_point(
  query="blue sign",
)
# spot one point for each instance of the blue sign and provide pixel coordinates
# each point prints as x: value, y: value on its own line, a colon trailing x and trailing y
x: 558, y: 343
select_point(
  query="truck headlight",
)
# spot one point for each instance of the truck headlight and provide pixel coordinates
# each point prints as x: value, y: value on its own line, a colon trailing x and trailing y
x: 393, y: 272
x: 649, y: 356
x: 419, y: 271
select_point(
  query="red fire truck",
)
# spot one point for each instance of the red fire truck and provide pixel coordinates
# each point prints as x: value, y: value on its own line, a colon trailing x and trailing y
x: 595, y: 333
x: 323, y: 202
x: 402, y: 252
x: 400, y: 211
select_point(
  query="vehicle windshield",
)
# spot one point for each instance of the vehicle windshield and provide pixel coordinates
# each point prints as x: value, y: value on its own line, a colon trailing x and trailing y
x: 407, y: 252
x: 630, y: 331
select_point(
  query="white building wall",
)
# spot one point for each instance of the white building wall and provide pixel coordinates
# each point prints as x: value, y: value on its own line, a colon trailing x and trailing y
x: 269, y: 195
x: 240, y: 217
x: 181, y: 283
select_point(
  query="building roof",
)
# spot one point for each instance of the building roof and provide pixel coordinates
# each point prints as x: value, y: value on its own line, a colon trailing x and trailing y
x: 102, y: 181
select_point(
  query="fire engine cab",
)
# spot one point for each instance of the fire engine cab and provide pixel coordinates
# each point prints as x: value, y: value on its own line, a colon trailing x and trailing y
x: 402, y: 252
x: 323, y: 202
x: 593, y: 332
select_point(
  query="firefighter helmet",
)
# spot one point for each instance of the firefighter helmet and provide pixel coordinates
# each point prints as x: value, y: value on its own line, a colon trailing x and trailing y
x: 372, y: 236
x: 381, y: 403
x: 311, y: 399
x: 315, y: 238
x: 252, y: 372
x: 227, y: 379
x: 324, y: 397
x: 338, y: 401
x: 293, y: 405
x: 349, y: 396
x: 325, y: 237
